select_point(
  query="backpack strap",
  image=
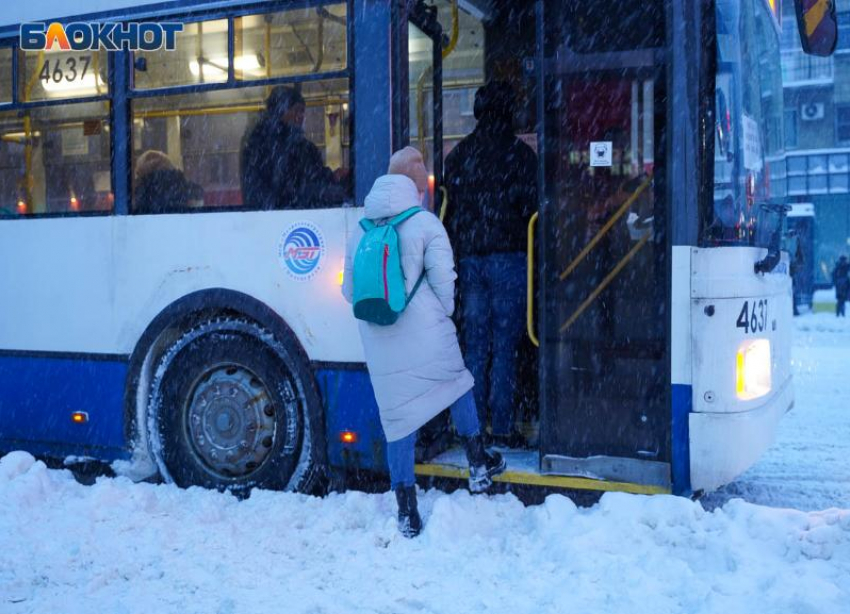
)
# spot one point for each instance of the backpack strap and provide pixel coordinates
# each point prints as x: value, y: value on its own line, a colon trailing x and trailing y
x: 415, y: 288
x: 404, y: 215
x: 367, y: 224
x: 398, y: 219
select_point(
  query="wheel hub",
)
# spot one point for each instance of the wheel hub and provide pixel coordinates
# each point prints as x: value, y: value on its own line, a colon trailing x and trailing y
x: 231, y: 425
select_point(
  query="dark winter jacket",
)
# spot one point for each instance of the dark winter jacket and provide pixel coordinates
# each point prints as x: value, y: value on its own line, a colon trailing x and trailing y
x: 282, y: 169
x: 161, y: 191
x: 841, y: 280
x: 491, y: 178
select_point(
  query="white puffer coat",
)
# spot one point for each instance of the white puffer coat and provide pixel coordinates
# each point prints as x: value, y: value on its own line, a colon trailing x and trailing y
x: 415, y: 365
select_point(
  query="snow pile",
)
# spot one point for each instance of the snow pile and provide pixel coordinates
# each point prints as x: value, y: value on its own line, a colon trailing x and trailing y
x: 118, y: 547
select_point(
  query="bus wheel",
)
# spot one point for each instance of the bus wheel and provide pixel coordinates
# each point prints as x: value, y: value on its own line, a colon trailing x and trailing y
x: 233, y: 408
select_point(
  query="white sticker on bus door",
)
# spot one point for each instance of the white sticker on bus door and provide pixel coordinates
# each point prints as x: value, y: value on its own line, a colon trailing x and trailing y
x: 752, y: 145
x: 601, y: 153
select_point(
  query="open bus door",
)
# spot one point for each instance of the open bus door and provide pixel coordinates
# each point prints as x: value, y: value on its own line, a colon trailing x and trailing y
x: 598, y: 275
x: 602, y: 254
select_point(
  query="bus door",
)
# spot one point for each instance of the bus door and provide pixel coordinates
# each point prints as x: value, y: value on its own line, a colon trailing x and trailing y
x: 602, y: 274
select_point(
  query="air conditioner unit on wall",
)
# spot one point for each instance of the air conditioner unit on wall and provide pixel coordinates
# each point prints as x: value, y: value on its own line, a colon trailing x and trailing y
x: 811, y: 111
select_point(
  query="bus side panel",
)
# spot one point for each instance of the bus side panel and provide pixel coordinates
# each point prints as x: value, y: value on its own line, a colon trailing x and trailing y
x: 93, y: 285
x: 85, y: 289
x: 162, y: 258
x: 350, y: 406
x: 58, y: 286
x: 57, y: 350
x: 38, y: 396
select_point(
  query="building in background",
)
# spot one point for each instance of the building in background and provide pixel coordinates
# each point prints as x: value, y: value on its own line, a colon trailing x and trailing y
x: 817, y: 139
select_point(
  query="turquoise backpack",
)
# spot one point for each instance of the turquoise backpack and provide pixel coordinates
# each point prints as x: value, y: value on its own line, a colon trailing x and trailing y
x: 379, y: 292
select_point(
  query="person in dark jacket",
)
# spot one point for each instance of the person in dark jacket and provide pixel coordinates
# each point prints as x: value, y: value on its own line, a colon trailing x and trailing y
x: 281, y: 168
x: 841, y: 279
x: 491, y: 179
x: 158, y: 185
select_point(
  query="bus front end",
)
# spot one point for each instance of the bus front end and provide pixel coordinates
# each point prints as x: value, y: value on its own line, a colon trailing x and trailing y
x: 734, y: 331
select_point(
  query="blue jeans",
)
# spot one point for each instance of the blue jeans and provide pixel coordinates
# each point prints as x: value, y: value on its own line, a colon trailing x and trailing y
x: 493, y: 300
x: 400, y: 453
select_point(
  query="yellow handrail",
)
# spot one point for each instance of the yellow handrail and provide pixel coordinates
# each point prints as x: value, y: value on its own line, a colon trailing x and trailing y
x: 529, y: 313
x: 604, y: 284
x: 604, y: 230
x: 420, y: 106
x: 455, y: 31
x: 226, y: 110
x: 445, y: 205
x: 97, y: 83
x: 29, y: 181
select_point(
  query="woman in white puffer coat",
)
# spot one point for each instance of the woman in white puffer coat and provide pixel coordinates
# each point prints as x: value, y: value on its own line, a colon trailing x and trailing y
x: 415, y: 364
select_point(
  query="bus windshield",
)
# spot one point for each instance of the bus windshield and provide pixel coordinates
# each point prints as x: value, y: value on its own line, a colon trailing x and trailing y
x: 749, y: 155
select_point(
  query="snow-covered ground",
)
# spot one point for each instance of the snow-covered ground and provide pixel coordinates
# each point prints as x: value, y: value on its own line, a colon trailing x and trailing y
x: 118, y: 547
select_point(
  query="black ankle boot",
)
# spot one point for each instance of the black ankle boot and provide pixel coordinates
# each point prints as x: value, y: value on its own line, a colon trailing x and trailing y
x: 409, y: 521
x: 483, y: 465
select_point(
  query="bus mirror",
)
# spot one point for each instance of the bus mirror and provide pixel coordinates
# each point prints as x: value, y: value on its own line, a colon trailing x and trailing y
x: 818, y: 26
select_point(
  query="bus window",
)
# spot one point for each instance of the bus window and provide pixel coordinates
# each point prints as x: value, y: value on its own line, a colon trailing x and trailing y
x: 292, y: 42
x: 201, y: 57
x: 53, y: 75
x: 55, y: 159
x: 198, y: 140
x: 749, y: 150
x: 463, y: 74
x: 420, y: 74
x: 5, y: 75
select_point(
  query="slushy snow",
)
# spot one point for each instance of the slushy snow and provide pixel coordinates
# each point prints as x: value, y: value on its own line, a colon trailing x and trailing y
x: 117, y: 547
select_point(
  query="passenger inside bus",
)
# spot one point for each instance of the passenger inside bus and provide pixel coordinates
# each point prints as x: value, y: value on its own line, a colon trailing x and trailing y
x: 280, y: 167
x: 161, y: 186
x: 491, y: 178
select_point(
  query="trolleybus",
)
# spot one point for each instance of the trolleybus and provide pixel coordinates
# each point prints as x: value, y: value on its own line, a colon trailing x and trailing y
x: 205, y: 339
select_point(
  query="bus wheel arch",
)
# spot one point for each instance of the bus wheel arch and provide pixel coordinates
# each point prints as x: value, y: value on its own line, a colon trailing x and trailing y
x: 187, y: 324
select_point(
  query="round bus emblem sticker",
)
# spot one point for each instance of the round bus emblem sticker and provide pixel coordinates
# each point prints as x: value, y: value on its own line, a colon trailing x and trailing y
x: 301, y: 248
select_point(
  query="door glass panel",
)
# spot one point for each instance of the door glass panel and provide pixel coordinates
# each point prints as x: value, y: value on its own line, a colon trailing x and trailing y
x: 603, y: 308
x: 420, y: 49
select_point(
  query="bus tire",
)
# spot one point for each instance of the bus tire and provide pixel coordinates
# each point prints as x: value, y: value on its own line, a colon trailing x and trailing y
x: 232, y: 407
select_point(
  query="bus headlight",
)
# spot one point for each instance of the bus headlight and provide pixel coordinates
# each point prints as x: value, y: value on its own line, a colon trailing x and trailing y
x: 753, y: 369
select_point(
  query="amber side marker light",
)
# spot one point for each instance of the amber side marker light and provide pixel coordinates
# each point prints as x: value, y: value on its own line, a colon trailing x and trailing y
x: 348, y: 437
x: 79, y: 417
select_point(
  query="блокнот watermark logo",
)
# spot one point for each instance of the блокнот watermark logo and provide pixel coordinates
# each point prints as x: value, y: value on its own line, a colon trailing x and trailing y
x: 85, y: 36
